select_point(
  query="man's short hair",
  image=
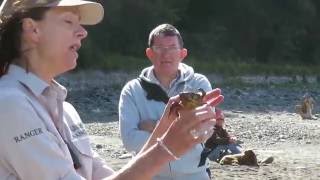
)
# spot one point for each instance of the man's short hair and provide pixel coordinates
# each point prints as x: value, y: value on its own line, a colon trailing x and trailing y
x: 164, y: 30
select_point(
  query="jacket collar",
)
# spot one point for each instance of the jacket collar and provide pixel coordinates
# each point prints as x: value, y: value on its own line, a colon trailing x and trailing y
x: 34, y: 83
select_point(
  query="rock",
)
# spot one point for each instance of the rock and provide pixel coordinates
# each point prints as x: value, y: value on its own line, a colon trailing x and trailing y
x: 98, y: 146
x: 125, y: 156
x: 238, y: 92
x: 267, y: 160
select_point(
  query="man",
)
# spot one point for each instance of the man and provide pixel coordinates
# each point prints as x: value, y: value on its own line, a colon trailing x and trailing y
x: 142, y: 100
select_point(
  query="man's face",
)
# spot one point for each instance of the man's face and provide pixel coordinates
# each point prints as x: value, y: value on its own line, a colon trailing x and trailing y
x: 166, y: 54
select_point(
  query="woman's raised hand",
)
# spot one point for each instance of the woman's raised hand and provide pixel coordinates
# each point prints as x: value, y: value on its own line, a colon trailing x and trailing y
x: 179, y: 136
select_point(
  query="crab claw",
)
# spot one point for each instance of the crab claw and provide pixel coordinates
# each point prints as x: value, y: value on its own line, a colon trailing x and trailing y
x: 203, y: 93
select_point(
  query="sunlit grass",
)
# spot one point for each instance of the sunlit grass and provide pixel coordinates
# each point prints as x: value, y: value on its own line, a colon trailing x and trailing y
x: 228, y: 68
x: 217, y: 66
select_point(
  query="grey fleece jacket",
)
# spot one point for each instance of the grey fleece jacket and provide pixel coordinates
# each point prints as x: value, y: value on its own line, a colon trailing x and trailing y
x: 135, y: 107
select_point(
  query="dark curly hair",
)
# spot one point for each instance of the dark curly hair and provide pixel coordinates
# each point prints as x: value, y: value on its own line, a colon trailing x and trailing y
x: 10, y: 36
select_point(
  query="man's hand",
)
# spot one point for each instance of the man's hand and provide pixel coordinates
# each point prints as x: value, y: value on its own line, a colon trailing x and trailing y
x: 147, y: 125
x: 232, y: 140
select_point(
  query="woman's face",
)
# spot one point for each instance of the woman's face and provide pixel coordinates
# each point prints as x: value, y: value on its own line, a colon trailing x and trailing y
x: 59, y: 36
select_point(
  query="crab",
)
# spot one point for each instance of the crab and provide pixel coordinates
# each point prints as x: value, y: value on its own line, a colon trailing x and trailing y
x: 188, y: 100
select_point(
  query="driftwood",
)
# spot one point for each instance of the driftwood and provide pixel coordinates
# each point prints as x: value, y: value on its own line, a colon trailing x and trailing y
x: 248, y: 158
x: 306, y: 106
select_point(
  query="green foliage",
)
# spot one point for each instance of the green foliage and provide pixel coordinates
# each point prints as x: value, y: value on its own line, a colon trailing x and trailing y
x: 248, y: 36
x: 235, y: 68
x: 116, y: 62
x: 225, y: 67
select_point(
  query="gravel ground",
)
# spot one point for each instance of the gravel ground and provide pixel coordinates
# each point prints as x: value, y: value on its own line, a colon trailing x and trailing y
x: 260, y: 112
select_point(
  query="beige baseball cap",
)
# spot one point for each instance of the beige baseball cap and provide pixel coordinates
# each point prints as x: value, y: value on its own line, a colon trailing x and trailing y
x: 90, y: 12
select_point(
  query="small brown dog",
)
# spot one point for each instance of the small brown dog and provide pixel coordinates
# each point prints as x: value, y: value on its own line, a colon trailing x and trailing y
x: 248, y: 158
x: 304, y: 109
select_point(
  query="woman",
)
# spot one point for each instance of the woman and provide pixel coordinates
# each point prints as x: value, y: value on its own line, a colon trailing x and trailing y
x: 41, y: 135
x: 221, y: 142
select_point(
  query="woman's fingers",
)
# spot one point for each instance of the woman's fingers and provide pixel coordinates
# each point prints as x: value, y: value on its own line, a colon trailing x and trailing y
x: 202, y: 131
x: 191, y: 118
x: 191, y: 126
x: 198, y: 123
x: 189, y: 129
x: 173, y: 100
x: 216, y: 101
x: 212, y: 94
x: 204, y: 137
x: 213, y: 97
x: 219, y: 114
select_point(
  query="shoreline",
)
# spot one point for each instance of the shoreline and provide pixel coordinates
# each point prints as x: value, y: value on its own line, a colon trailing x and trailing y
x: 261, y: 116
